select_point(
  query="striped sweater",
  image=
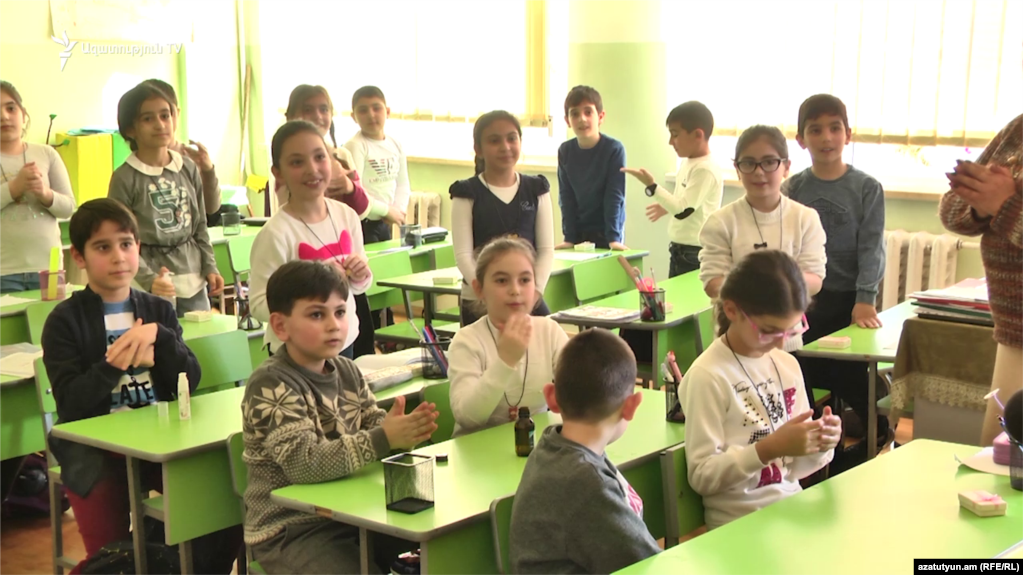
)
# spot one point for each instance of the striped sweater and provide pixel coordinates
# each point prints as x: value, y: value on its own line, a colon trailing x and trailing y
x: 1001, y: 244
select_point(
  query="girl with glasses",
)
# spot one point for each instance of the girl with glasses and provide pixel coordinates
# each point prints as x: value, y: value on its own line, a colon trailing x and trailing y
x: 750, y: 432
x: 762, y: 219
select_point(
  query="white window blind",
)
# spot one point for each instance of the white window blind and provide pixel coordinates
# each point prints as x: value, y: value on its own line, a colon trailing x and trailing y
x: 911, y: 72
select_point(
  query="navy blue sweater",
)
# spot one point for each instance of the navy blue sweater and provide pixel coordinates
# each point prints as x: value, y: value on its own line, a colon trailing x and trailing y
x: 592, y: 191
x: 74, y: 353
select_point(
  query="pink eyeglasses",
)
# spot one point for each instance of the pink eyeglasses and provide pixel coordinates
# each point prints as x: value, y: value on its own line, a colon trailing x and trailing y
x: 766, y: 338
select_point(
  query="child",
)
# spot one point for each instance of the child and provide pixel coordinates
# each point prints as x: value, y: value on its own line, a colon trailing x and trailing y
x: 308, y: 227
x: 381, y: 161
x: 313, y: 104
x: 698, y: 186
x: 502, y: 361
x: 210, y: 184
x: 763, y: 218
x: 106, y: 348
x: 164, y: 191
x: 35, y: 192
x: 499, y: 201
x: 592, y: 195
x: 850, y: 204
x: 749, y: 433
x: 574, y: 512
x: 308, y: 417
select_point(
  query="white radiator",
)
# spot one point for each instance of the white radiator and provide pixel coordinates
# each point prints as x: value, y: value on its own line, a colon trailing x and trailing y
x: 918, y: 261
x: 423, y: 209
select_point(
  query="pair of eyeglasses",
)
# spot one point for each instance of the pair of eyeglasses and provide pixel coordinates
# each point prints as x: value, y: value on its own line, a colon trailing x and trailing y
x: 766, y: 338
x: 749, y: 166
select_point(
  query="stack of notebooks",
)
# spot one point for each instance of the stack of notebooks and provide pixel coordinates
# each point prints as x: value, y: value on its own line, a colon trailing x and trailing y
x: 965, y: 302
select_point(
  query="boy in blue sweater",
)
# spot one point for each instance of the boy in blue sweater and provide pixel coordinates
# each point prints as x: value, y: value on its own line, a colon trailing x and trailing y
x: 851, y: 208
x: 592, y: 187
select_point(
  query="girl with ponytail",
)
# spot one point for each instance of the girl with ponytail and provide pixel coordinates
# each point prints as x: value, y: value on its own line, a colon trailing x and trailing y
x: 498, y: 201
x: 750, y: 432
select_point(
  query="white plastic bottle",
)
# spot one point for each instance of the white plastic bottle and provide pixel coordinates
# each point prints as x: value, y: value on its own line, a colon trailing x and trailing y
x: 184, y: 397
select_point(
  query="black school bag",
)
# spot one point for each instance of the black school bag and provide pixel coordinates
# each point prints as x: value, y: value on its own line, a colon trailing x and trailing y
x: 29, y: 493
x: 119, y: 557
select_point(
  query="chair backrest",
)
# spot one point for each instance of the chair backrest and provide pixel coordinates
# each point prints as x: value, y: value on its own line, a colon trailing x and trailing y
x: 683, y: 505
x: 239, y: 473
x: 47, y: 405
x: 439, y: 394
x: 239, y: 250
x: 386, y: 266
x: 500, y: 527
x: 224, y: 358
x: 595, y: 279
x: 36, y: 314
x: 444, y: 257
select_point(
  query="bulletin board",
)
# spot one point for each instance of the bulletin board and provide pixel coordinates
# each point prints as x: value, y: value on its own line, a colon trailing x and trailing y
x: 147, y: 21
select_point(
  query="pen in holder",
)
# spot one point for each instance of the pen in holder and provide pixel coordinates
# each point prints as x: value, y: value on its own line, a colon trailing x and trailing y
x: 435, y: 362
x: 245, y: 320
x: 672, y: 406
x: 651, y: 305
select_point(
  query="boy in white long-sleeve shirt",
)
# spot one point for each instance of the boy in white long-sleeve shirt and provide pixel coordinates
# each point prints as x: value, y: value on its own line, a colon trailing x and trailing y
x: 380, y: 159
x: 502, y: 361
x: 698, y: 186
x: 750, y: 436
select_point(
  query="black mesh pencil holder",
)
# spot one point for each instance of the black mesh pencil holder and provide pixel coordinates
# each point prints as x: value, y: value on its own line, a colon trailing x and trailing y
x: 1015, y: 465
x: 408, y: 482
x: 672, y: 405
x: 434, y: 358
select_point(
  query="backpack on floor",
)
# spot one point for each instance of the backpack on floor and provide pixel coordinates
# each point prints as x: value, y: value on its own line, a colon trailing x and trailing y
x: 29, y: 493
x: 117, y: 558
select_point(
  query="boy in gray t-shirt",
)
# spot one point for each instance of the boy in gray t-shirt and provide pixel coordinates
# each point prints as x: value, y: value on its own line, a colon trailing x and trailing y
x: 574, y: 512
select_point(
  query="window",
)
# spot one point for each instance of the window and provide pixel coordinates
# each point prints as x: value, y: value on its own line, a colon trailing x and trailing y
x: 924, y: 82
x: 440, y: 63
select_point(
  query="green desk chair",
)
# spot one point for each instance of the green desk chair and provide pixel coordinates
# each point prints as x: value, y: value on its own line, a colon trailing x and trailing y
x: 239, y: 252
x: 388, y: 266
x: 500, y: 527
x: 48, y: 407
x: 240, y: 481
x: 37, y: 314
x: 439, y: 394
x: 599, y: 278
x: 224, y: 358
x: 445, y: 258
x: 684, y: 506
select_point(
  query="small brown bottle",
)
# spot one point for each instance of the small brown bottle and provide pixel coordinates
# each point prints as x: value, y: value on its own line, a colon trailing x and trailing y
x: 524, y: 429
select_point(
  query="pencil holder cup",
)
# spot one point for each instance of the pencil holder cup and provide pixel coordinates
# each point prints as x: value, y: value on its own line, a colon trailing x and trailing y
x: 411, y: 235
x: 408, y: 482
x: 232, y: 222
x: 1015, y: 464
x: 44, y: 285
x: 651, y: 305
x: 672, y: 404
x: 435, y: 362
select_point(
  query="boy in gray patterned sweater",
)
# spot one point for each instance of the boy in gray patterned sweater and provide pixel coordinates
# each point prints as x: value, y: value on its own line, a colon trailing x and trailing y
x: 308, y: 417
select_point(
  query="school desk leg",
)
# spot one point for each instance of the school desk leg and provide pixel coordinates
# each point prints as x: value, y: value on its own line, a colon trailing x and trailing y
x: 872, y: 412
x: 365, y: 550
x: 135, y: 496
x: 185, y: 556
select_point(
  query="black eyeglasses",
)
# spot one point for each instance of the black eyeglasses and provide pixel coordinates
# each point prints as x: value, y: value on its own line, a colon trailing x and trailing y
x: 749, y: 166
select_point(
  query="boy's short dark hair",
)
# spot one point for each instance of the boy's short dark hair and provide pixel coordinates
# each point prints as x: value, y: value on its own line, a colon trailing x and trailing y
x: 131, y: 102
x: 582, y: 94
x: 690, y: 116
x: 89, y: 216
x: 596, y: 372
x: 818, y: 105
x: 303, y: 280
x: 367, y: 92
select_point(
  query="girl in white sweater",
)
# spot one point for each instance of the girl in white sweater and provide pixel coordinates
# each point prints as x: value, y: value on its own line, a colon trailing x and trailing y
x: 763, y: 218
x: 502, y: 361
x: 750, y: 436
x: 308, y: 227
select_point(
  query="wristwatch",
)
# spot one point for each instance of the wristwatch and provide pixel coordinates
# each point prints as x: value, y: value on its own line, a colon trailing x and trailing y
x: 651, y: 189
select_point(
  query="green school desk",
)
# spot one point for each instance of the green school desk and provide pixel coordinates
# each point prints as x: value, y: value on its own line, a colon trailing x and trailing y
x: 198, y: 496
x: 422, y: 257
x: 13, y: 323
x: 412, y: 391
x: 911, y: 491
x: 220, y: 241
x: 559, y: 293
x: 455, y: 535
x: 872, y: 346
x: 684, y: 330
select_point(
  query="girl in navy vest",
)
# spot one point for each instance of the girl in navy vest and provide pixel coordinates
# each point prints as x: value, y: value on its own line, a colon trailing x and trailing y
x: 498, y: 201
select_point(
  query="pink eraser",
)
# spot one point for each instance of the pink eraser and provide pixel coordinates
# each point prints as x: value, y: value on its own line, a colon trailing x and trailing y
x: 982, y: 503
x: 832, y: 342
x: 1002, y: 449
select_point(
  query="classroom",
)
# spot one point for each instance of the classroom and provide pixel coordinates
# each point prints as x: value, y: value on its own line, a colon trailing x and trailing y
x: 511, y: 286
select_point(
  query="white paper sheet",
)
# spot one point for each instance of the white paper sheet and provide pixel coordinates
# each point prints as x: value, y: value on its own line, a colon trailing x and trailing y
x: 19, y: 364
x: 8, y: 299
